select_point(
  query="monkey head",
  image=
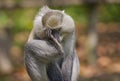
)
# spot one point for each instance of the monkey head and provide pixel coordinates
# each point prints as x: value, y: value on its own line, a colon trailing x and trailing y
x: 56, y: 23
x: 52, y: 21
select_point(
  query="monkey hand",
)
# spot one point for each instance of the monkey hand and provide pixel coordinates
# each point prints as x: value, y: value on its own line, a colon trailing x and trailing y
x: 55, y: 41
x: 48, y: 33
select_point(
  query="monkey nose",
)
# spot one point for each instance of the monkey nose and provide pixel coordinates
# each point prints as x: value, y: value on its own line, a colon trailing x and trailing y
x: 57, y: 36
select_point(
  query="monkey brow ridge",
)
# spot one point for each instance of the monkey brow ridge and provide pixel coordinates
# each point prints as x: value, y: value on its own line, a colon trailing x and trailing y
x: 52, y: 19
x: 53, y: 22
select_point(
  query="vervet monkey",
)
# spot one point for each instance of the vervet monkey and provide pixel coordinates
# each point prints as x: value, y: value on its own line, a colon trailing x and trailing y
x: 50, y: 51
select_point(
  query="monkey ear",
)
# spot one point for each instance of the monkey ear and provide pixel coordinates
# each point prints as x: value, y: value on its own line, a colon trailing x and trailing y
x: 45, y: 9
x: 63, y: 11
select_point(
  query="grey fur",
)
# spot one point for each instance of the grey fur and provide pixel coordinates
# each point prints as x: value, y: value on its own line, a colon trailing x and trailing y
x: 43, y: 59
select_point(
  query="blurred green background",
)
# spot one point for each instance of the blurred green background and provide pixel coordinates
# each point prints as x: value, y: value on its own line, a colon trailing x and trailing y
x: 97, y: 36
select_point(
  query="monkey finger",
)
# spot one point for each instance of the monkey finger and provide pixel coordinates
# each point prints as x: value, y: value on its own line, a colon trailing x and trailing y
x: 48, y: 32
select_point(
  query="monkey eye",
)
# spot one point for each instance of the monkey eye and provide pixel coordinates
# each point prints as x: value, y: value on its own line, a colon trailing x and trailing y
x: 57, y: 29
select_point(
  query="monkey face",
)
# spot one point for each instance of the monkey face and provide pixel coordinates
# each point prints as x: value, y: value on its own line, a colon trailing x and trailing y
x: 54, y: 34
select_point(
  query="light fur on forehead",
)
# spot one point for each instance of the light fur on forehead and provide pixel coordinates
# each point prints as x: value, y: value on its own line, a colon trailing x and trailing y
x: 52, y: 19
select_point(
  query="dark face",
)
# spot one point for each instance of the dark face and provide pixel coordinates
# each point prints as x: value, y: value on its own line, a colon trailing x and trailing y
x: 54, y: 34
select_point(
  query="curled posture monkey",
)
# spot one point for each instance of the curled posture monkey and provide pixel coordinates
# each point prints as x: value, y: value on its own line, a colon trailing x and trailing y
x: 50, y: 53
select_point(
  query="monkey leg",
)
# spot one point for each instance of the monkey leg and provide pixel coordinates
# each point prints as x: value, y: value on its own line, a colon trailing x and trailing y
x: 35, y: 68
x: 54, y: 72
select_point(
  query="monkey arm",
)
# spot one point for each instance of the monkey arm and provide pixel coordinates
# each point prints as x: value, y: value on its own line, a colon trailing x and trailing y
x: 67, y: 67
x: 75, y: 68
x: 70, y: 67
x: 42, y: 50
x: 68, y: 63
